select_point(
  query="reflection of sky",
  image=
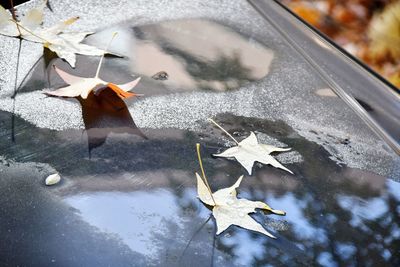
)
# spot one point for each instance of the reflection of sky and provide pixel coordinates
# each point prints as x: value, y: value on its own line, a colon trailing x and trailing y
x: 346, y: 251
x: 189, y: 196
x: 200, y: 46
x: 134, y: 217
x: 394, y: 188
x: 244, y: 249
x: 362, y: 209
x: 138, y: 218
x: 325, y: 259
x: 295, y: 216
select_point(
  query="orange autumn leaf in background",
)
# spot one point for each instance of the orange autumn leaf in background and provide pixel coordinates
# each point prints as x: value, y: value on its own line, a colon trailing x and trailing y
x: 368, y: 29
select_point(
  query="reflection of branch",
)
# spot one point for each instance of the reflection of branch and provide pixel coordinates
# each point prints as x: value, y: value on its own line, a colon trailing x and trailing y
x: 213, y: 251
x: 15, y: 92
x: 16, y: 89
x: 191, y: 239
x: 25, y: 77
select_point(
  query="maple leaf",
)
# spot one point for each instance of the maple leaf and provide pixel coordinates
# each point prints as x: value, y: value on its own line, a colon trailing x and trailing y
x: 81, y: 86
x: 228, y: 209
x: 249, y: 150
x: 64, y: 44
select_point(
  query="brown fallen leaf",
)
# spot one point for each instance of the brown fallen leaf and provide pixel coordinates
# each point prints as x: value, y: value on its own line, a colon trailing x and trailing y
x: 106, y: 113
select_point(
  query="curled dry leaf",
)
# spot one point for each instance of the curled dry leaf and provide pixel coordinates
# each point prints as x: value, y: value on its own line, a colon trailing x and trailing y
x: 249, y: 150
x: 53, y: 179
x: 64, y: 44
x: 81, y: 86
x: 229, y: 210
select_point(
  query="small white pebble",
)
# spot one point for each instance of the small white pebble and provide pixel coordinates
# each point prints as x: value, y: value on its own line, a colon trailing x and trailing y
x: 53, y: 179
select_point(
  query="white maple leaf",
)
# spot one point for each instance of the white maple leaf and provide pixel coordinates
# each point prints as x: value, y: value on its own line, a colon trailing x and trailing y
x: 81, y: 86
x: 64, y: 44
x: 229, y: 210
x: 248, y: 151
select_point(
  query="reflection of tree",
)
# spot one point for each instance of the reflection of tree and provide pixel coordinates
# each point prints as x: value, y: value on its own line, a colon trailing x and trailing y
x: 228, y: 70
x: 325, y: 231
x: 317, y: 198
x: 332, y: 238
x: 39, y: 229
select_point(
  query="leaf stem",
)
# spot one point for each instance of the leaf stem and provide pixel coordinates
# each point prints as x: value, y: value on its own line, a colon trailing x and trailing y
x: 102, y: 57
x: 219, y: 126
x: 29, y: 31
x: 203, y: 173
x: 14, y: 16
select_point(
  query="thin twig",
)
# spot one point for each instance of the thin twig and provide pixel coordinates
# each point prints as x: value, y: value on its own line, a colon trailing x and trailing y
x: 219, y: 126
x: 14, y: 16
x: 213, y: 250
x: 15, y: 92
x: 194, y: 234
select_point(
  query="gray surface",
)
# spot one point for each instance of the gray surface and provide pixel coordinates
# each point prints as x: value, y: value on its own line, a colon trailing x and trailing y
x: 137, y: 197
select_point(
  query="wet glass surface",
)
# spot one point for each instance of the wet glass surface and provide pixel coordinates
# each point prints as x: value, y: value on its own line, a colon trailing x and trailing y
x: 128, y: 194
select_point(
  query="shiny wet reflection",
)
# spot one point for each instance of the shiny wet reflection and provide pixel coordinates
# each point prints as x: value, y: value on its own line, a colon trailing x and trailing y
x: 173, y: 56
x: 134, y: 201
x: 169, y: 224
x: 199, y: 53
x: 139, y: 198
x: 149, y: 203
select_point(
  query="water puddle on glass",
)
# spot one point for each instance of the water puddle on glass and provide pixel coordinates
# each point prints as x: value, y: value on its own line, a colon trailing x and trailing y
x: 173, y: 56
x: 134, y: 201
x: 128, y: 195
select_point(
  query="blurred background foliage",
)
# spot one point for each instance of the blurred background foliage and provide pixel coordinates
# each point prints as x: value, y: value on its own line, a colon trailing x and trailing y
x: 367, y: 29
